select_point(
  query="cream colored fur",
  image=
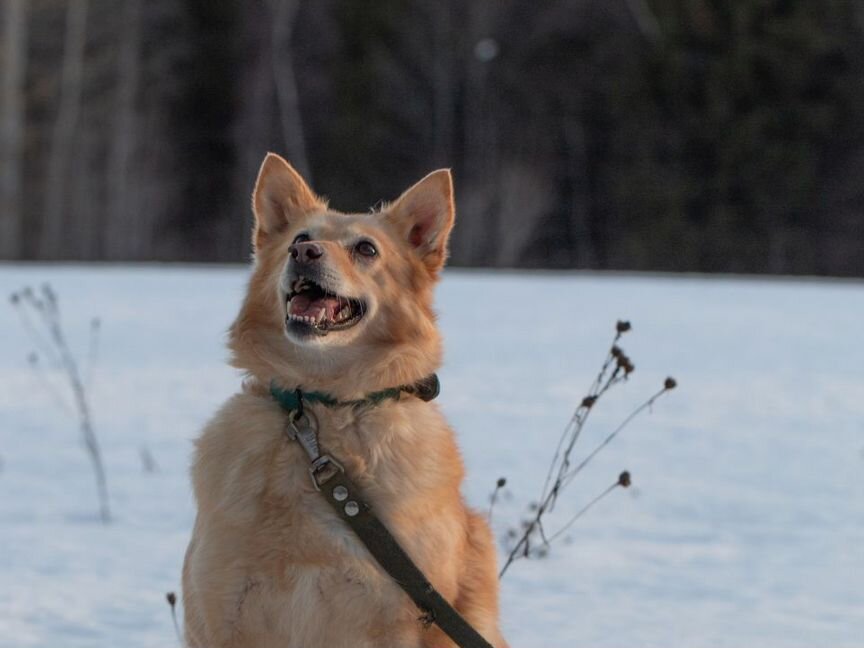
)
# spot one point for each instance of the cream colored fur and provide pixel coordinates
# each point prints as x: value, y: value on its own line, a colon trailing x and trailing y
x: 269, y: 564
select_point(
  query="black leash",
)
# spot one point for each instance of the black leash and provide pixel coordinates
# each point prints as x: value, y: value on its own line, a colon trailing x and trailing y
x: 345, y: 497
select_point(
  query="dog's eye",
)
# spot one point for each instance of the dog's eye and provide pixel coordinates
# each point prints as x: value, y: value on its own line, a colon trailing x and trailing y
x: 366, y: 248
x: 302, y: 238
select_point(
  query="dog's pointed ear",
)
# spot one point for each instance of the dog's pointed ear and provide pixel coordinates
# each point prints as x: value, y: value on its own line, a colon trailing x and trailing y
x: 424, y: 216
x: 280, y: 196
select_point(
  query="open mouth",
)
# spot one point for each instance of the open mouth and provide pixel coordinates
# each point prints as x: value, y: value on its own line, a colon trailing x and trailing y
x: 310, y: 305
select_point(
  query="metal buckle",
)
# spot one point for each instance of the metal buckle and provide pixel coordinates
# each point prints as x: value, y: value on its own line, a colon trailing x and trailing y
x: 319, y: 466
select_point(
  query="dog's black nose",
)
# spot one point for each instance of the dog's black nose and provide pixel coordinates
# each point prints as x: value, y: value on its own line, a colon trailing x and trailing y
x: 306, y: 252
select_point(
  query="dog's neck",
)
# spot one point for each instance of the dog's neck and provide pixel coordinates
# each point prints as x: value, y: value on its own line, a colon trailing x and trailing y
x: 350, y: 377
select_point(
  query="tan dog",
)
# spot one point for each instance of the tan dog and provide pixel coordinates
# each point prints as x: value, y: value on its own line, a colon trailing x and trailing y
x: 342, y: 304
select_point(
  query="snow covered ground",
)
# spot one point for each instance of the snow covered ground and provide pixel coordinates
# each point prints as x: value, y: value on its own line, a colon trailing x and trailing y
x: 745, y: 526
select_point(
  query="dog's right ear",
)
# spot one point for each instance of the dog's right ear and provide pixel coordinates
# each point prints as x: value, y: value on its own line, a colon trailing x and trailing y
x: 280, y: 196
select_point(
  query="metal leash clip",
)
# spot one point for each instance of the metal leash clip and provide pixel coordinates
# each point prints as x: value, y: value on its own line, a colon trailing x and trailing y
x: 303, y: 428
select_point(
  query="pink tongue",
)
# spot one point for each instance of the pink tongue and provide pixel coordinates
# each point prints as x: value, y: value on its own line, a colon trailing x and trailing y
x: 304, y: 306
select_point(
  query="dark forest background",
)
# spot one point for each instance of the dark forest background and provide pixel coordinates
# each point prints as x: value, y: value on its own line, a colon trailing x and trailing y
x: 684, y: 135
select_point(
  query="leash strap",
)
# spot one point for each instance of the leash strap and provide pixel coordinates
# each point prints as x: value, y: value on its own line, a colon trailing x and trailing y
x: 345, y: 497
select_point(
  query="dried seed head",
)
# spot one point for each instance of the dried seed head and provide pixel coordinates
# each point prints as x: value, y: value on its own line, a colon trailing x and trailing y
x: 616, y: 351
x: 589, y: 401
x: 501, y: 483
x: 670, y: 383
x: 624, y: 479
x: 171, y: 597
x: 622, y: 326
x: 625, y: 364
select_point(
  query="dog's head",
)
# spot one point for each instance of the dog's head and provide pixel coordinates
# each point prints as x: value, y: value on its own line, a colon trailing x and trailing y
x: 334, y: 293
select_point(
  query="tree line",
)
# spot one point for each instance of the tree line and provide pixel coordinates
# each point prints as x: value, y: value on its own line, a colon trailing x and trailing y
x: 683, y: 135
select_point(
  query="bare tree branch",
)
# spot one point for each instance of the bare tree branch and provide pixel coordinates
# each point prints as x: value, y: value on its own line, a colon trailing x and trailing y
x: 120, y: 241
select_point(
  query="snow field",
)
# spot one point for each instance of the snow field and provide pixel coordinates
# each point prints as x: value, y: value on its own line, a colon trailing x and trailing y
x: 745, y: 524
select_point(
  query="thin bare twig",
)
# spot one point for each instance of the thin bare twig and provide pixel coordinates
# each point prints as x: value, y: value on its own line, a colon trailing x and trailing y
x: 47, y: 383
x: 623, y: 481
x: 646, y: 405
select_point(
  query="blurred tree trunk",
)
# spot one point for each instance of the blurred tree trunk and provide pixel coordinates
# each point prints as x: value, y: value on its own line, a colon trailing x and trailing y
x: 12, y: 126
x: 440, y: 16
x: 71, y: 84
x: 284, y: 15
x: 474, y: 243
x: 121, y: 241
x: 581, y: 244
x: 524, y: 196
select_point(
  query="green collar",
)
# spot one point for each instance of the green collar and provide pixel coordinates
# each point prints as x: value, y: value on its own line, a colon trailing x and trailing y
x: 293, y: 400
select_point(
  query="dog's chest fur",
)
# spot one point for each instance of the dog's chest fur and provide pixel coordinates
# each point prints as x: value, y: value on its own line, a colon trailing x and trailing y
x: 273, y: 563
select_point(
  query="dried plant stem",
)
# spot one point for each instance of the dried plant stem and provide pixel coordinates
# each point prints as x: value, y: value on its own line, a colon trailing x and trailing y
x: 604, y: 381
x: 57, y: 350
x: 615, y: 369
x: 42, y: 344
x: 92, y: 351
x: 501, y: 483
x: 171, y: 597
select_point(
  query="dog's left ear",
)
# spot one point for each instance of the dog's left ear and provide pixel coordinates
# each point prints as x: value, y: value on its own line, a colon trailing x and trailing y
x: 424, y: 216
